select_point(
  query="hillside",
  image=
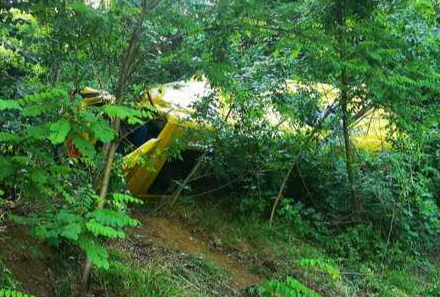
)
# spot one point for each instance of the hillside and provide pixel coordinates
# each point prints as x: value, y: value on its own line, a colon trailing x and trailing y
x: 264, y: 148
x: 198, y: 249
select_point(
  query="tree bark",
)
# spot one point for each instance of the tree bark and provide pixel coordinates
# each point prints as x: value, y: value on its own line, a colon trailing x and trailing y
x: 126, y: 72
x: 349, y: 160
x: 346, y: 117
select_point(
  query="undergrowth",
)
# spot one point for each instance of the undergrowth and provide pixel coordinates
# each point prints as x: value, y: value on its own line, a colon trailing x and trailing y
x: 349, y: 261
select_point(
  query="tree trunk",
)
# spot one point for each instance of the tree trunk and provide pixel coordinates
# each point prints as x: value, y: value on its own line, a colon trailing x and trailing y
x: 349, y: 156
x: 124, y: 77
x: 103, y: 188
x: 281, y: 190
x: 345, y: 99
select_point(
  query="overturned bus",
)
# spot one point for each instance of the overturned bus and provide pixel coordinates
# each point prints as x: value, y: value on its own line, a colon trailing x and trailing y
x: 173, y: 104
x: 153, y: 139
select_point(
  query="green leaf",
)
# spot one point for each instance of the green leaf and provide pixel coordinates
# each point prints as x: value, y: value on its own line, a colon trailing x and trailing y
x: 33, y: 111
x: 124, y: 198
x: 38, y: 176
x: 99, y: 229
x: 12, y: 293
x: 85, y: 147
x: 39, y: 231
x: 9, y: 104
x: 59, y: 131
x: 71, y: 231
x: 102, y: 130
x: 9, y: 137
x: 123, y: 112
x: 67, y: 216
x: 95, y: 251
x: 22, y: 160
x: 7, y: 168
x: 114, y: 219
x: 36, y: 132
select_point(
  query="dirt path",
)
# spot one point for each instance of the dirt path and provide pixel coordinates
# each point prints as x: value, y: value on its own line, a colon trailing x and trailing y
x: 27, y: 259
x: 169, y: 233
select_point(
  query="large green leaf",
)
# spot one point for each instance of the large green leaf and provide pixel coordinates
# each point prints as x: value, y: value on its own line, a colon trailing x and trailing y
x: 102, y: 130
x: 71, y: 231
x: 123, y: 112
x: 59, y: 131
x: 85, y: 147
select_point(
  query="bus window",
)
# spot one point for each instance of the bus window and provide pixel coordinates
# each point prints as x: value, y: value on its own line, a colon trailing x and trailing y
x: 134, y: 136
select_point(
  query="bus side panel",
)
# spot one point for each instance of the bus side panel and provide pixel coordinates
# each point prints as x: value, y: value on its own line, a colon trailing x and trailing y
x: 140, y: 177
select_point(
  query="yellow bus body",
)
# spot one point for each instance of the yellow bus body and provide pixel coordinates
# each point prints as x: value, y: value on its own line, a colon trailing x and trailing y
x: 142, y: 166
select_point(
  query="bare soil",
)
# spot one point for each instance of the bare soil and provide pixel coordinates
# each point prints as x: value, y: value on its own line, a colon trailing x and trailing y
x: 26, y: 258
x: 29, y: 259
x: 169, y: 233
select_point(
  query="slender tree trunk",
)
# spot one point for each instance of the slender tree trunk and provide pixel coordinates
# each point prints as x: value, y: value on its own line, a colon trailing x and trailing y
x: 346, y: 117
x: 126, y: 72
x: 349, y: 156
x: 281, y: 190
x: 103, y: 188
x: 310, y: 137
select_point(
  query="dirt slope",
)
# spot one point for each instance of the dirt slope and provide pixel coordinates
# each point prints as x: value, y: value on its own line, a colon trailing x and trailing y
x: 30, y: 260
x: 27, y: 260
x: 169, y: 233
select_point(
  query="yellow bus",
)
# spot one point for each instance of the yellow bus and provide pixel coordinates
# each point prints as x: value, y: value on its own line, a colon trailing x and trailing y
x: 173, y: 103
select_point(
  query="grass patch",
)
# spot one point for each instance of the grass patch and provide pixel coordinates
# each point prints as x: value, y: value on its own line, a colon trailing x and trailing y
x: 163, y: 273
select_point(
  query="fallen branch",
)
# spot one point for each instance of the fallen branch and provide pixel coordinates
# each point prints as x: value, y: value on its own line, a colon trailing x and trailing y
x: 312, y: 135
x: 214, y: 190
x: 180, y: 187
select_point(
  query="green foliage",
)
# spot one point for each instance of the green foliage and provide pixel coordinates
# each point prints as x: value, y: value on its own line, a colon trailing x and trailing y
x: 125, y: 280
x: 80, y: 223
x: 102, y: 131
x: 6, y: 277
x: 321, y: 265
x: 68, y: 202
x: 378, y: 55
x: 12, y: 293
x: 9, y: 104
x: 289, y: 288
x: 59, y: 131
x: 124, y: 113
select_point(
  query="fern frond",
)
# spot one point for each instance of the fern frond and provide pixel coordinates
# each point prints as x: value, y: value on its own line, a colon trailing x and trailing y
x: 126, y: 199
x: 99, y: 229
x: 114, y: 219
x: 95, y: 251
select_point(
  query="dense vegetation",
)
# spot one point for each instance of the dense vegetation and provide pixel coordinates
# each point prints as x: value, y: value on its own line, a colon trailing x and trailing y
x: 324, y: 215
